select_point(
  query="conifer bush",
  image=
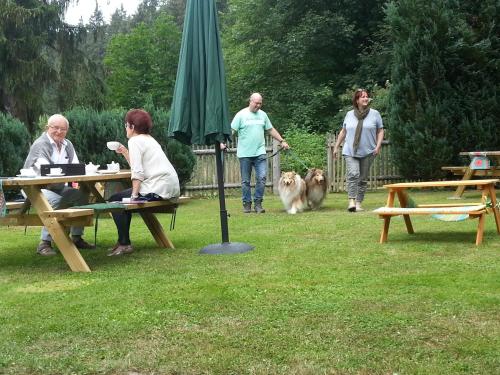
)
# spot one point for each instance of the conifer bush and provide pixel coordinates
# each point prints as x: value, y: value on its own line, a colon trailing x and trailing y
x: 90, y: 130
x: 444, y: 95
x: 14, y: 139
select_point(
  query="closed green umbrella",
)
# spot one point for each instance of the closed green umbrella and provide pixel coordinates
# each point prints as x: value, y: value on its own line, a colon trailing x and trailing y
x: 200, y: 112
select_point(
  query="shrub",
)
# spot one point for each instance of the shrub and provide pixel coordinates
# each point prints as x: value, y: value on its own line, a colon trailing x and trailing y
x: 307, y: 150
x: 90, y: 130
x: 14, y: 139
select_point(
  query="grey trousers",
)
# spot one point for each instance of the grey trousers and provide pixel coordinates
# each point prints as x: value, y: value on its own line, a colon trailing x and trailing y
x: 357, y: 175
x: 66, y: 198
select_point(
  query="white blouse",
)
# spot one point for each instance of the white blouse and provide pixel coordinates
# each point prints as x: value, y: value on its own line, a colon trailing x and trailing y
x: 150, y: 165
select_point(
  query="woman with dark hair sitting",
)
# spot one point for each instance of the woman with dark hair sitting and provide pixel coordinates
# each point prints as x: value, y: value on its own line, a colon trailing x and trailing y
x: 153, y: 176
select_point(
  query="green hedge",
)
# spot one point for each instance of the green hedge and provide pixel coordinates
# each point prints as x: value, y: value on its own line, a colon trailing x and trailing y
x: 90, y: 130
x: 14, y: 138
x: 307, y: 150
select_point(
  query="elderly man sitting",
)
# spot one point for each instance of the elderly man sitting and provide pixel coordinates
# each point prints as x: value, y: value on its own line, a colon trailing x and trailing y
x: 52, y: 147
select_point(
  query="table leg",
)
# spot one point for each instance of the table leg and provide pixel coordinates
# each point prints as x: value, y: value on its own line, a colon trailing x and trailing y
x: 469, y: 173
x: 390, y: 198
x: 385, y: 229
x: 403, y: 202
x: 58, y: 232
x: 93, y: 190
x: 496, y: 210
x: 156, y: 230
x: 480, y: 230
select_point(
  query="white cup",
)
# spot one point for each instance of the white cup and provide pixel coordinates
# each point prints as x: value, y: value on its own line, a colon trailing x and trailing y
x: 27, y: 172
x: 55, y: 170
x: 113, y: 145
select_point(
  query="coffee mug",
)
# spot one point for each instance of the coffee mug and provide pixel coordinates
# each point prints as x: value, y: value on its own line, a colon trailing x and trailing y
x: 55, y: 170
x: 113, y: 145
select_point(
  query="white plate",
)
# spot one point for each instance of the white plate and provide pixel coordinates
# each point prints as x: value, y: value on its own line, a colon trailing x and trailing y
x: 54, y: 174
x: 26, y: 175
x: 105, y: 171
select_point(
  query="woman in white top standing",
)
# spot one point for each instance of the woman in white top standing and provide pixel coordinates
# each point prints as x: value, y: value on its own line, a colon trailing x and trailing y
x: 363, y: 132
x: 153, y: 176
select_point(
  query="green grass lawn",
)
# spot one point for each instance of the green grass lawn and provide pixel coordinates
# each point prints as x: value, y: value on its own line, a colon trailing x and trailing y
x: 318, y: 295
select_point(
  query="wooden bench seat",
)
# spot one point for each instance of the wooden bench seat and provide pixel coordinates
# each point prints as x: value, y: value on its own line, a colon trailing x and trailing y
x: 473, y: 210
x: 153, y: 207
x: 85, y: 216
x: 455, y: 170
x: 14, y: 205
x: 431, y: 210
x: 493, y: 171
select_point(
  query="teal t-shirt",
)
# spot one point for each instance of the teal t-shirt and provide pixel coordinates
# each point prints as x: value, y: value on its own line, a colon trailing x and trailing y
x: 251, y: 127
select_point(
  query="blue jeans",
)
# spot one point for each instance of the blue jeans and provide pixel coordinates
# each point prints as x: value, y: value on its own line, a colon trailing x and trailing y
x: 260, y: 165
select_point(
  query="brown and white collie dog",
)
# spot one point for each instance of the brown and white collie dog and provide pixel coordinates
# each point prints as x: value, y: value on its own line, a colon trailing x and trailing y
x: 316, y: 186
x: 292, y: 190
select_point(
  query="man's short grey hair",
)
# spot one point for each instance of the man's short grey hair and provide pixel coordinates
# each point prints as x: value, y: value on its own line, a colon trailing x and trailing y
x: 254, y: 95
x: 57, y: 118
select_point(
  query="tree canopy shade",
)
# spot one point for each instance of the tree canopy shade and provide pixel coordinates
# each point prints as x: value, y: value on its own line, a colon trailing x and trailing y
x: 28, y: 29
x: 445, y: 75
x: 142, y: 64
x: 299, y: 54
x: 40, y: 63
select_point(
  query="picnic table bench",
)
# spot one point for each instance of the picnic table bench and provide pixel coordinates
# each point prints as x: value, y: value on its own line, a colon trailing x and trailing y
x: 474, y: 210
x: 57, y: 220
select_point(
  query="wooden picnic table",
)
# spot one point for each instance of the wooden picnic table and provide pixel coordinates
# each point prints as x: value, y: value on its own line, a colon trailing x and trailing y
x: 57, y: 220
x: 474, y: 210
x: 468, y: 172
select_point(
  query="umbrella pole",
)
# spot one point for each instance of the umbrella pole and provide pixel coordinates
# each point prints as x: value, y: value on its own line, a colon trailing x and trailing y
x: 225, y: 247
x: 222, y: 197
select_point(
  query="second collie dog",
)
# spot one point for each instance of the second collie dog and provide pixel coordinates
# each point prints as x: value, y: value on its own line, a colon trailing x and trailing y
x: 316, y: 186
x: 292, y: 190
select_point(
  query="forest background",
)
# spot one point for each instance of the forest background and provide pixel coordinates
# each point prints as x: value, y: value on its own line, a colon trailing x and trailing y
x: 432, y: 68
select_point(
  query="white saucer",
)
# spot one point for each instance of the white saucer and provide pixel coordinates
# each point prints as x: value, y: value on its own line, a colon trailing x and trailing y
x: 26, y: 175
x: 54, y: 175
x: 105, y: 171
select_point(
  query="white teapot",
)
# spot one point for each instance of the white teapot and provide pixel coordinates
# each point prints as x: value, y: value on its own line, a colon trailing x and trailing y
x: 115, y: 167
x: 91, y: 168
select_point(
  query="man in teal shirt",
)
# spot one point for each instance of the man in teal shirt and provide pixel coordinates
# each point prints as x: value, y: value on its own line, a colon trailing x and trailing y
x: 250, y: 124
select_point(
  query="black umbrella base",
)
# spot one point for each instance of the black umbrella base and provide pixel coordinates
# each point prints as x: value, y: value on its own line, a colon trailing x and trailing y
x: 227, y: 248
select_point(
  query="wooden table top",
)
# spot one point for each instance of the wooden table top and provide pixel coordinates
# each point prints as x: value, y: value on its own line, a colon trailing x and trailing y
x: 480, y: 153
x: 44, y: 180
x: 424, y: 184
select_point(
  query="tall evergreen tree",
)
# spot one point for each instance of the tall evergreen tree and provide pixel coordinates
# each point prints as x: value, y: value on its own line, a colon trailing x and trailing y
x: 32, y: 33
x: 142, y: 65
x: 444, y: 94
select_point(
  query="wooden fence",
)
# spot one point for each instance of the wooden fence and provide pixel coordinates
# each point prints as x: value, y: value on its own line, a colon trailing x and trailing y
x: 204, y: 180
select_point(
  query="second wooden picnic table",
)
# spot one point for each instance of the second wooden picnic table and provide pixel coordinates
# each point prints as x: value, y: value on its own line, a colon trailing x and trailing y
x: 479, y: 166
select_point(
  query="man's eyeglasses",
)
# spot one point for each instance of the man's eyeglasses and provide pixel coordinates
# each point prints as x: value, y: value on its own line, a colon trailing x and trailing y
x: 58, y: 129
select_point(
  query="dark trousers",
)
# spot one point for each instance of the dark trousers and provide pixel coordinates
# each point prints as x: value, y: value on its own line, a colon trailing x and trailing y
x: 122, y: 219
